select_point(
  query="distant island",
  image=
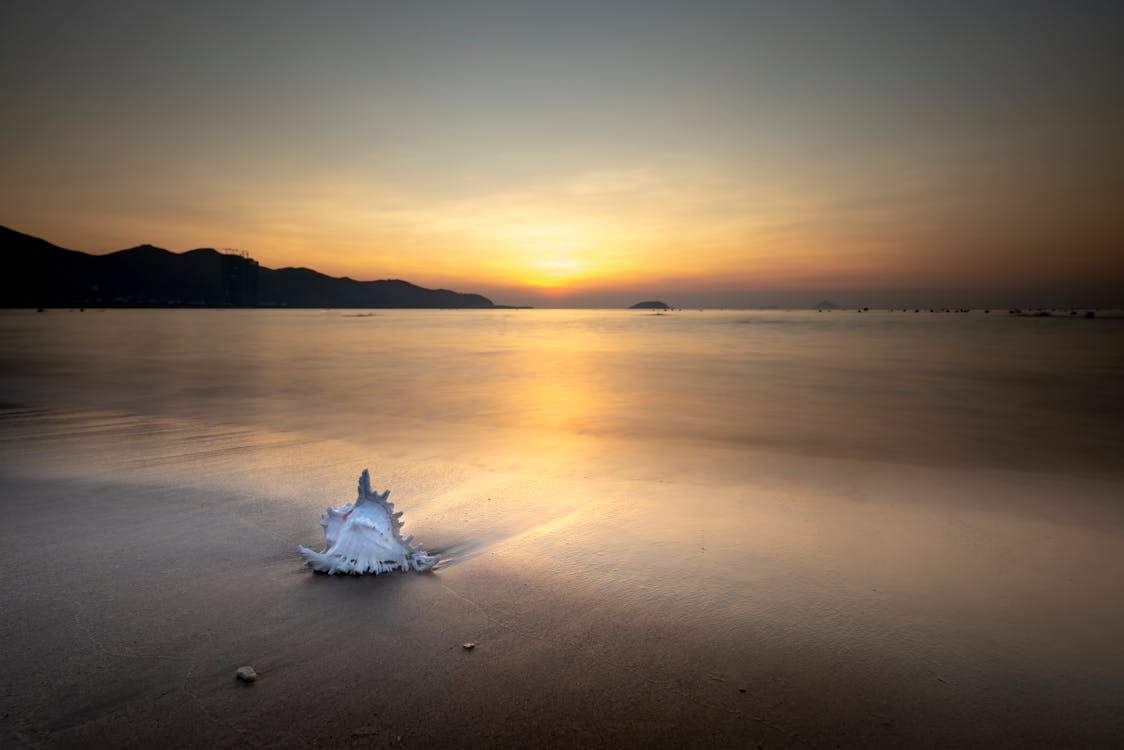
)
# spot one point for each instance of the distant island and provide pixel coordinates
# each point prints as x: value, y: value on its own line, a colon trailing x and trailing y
x: 652, y: 304
x: 39, y: 274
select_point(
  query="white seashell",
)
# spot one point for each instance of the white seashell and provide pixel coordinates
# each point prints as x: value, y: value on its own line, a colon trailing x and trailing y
x: 364, y: 537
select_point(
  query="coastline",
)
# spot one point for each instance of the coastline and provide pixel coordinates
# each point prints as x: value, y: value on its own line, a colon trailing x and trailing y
x: 797, y: 622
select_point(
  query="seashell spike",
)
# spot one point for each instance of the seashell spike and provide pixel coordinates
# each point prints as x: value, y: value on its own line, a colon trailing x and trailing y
x: 363, y: 537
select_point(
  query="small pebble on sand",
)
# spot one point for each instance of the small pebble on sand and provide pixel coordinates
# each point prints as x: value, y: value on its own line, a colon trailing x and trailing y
x: 246, y: 674
x: 469, y: 646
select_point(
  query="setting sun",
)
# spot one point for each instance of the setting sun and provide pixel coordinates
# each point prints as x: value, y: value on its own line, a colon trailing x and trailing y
x: 546, y: 256
x: 553, y: 274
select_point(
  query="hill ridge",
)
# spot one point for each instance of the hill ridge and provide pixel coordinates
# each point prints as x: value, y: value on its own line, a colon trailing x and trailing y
x: 42, y: 274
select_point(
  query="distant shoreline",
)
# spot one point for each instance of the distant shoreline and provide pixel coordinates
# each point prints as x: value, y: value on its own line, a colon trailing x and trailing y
x: 1076, y: 313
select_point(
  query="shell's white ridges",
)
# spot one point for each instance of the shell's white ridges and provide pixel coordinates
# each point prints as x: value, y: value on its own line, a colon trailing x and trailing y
x: 365, y: 537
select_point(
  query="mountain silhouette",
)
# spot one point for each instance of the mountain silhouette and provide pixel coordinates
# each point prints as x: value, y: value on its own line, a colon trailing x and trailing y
x: 39, y: 274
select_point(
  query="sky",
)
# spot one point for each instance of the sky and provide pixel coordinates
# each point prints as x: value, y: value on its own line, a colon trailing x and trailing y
x: 711, y: 154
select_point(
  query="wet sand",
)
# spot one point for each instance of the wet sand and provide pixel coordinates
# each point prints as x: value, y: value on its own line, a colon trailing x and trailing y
x: 661, y: 597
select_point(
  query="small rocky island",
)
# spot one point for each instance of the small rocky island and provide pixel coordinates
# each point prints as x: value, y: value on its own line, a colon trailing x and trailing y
x: 651, y: 304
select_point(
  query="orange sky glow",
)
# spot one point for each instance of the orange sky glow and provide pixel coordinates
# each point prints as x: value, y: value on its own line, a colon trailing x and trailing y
x: 730, y: 156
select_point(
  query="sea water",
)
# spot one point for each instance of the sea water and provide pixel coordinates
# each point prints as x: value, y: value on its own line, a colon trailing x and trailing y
x: 936, y: 389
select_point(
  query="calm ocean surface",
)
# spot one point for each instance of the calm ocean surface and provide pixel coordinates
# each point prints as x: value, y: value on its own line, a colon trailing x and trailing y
x: 1045, y: 394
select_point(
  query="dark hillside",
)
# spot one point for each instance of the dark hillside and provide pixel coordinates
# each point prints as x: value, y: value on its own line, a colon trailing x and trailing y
x: 39, y: 274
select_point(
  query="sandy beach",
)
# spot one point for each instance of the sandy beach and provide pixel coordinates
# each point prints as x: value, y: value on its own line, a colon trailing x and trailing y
x: 143, y: 573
